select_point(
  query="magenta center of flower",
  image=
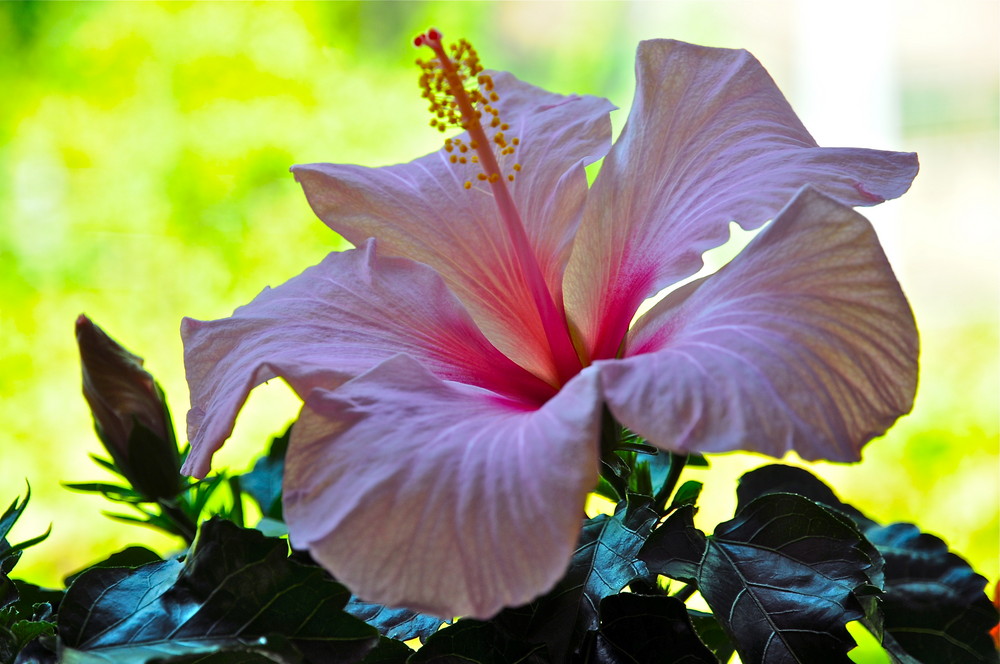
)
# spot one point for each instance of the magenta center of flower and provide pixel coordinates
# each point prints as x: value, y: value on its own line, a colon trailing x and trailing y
x: 462, y: 96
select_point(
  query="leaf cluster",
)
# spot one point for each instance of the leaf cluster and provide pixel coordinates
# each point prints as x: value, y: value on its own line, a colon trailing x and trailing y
x: 783, y: 579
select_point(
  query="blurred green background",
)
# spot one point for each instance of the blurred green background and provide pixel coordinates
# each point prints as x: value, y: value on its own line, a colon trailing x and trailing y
x: 144, y: 150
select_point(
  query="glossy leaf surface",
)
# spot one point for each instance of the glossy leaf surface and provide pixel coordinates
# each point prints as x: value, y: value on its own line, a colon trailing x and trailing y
x: 636, y: 629
x: 604, y: 563
x: 785, y: 577
x: 235, y: 591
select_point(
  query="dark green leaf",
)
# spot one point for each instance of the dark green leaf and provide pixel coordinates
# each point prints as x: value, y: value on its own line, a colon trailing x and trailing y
x: 201, y: 492
x: 263, y: 483
x: 109, y: 491
x: 778, y: 478
x: 30, y: 596
x: 11, y: 515
x: 934, y: 606
x: 275, y: 650
x: 107, y: 464
x: 697, y: 461
x: 712, y: 635
x: 9, y: 554
x: 235, y: 588
x: 29, y: 630
x: 687, y: 494
x: 8, y: 645
x: 16, y: 549
x: 401, y: 624
x: 676, y: 547
x: 130, y: 557
x: 785, y: 577
x: 8, y: 591
x: 40, y: 651
x: 388, y: 651
x: 476, y: 642
x: 638, y: 629
x: 604, y: 563
x: 606, y: 490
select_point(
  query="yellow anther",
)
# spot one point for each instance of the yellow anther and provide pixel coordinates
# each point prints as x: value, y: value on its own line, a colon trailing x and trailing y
x: 460, y: 95
x: 517, y: 167
x: 515, y: 141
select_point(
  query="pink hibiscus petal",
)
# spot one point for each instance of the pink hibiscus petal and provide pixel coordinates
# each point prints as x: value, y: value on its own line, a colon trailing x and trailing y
x: 422, y: 211
x: 710, y: 139
x: 570, y: 132
x: 804, y: 342
x: 438, y: 496
x: 331, y: 323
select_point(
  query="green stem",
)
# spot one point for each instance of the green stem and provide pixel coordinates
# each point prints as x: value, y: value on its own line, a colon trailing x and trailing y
x: 685, y: 593
x: 612, y: 466
x: 185, y: 525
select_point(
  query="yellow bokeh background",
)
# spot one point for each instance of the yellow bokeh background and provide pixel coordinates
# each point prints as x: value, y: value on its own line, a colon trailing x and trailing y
x: 144, y: 150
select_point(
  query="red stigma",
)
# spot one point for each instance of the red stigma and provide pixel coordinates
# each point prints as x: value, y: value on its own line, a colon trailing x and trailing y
x: 428, y: 38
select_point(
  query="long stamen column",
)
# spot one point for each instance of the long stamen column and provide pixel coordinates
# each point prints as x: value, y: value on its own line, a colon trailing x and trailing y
x: 443, y: 75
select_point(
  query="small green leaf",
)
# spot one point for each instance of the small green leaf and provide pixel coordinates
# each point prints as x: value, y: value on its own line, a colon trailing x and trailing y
x: 712, y: 635
x: 10, y: 554
x: 110, y: 491
x: 687, y: 494
x: 107, y: 464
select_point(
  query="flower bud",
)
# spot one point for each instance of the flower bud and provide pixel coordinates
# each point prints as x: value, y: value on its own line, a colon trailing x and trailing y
x: 130, y: 414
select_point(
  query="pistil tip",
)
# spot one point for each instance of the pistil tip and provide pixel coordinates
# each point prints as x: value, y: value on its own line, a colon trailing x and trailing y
x: 427, y: 38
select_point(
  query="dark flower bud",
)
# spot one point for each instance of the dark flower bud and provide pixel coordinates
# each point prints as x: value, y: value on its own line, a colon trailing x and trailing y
x: 130, y: 413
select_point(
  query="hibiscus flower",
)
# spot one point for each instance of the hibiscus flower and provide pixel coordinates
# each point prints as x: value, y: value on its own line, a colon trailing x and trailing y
x: 455, y: 365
